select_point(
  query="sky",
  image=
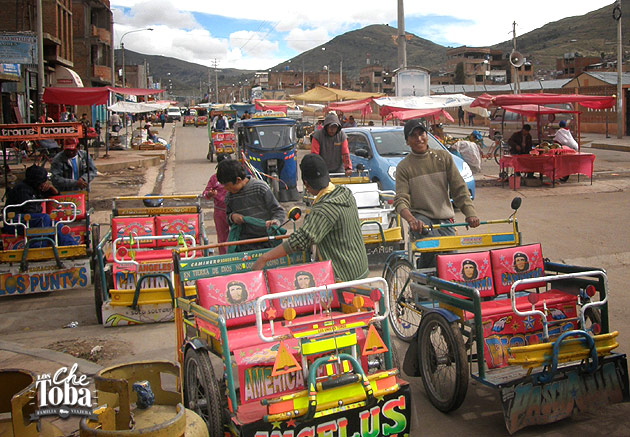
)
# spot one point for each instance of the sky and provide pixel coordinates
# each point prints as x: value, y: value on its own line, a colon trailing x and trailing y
x: 257, y: 35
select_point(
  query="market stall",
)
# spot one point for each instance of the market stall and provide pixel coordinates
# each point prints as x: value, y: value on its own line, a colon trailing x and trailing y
x: 553, y: 163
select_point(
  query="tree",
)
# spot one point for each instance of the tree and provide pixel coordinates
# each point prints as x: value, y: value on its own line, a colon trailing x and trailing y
x: 460, y: 77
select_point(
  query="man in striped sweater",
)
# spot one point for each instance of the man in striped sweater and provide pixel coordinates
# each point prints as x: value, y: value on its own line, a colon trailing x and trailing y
x: 426, y: 180
x: 332, y: 224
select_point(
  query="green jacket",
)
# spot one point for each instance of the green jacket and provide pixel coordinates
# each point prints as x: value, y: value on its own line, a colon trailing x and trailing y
x: 333, y: 225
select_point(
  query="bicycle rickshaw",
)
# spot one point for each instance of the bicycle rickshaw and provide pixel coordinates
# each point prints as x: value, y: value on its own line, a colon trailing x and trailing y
x: 31, y: 259
x: 133, y: 261
x: 535, y: 331
x: 286, y: 351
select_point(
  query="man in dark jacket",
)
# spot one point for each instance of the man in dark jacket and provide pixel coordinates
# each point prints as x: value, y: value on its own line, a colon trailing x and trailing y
x: 331, y: 143
x: 69, y: 170
x: 332, y: 224
x: 34, y: 186
x: 521, y: 142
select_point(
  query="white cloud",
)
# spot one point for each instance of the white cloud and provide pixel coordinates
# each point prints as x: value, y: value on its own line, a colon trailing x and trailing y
x: 299, y: 25
x: 301, y: 40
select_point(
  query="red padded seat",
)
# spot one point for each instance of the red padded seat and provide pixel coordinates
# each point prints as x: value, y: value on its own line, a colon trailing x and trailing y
x: 187, y: 224
x: 136, y: 226
x: 77, y: 198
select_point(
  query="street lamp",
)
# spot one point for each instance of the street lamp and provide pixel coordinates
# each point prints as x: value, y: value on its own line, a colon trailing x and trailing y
x: 122, y: 47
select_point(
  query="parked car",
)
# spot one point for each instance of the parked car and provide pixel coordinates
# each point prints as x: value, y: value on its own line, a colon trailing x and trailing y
x: 380, y: 149
x: 506, y: 123
x: 173, y: 113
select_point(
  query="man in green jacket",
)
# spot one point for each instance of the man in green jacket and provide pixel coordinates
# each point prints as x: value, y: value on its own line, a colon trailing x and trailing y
x: 426, y: 181
x: 332, y: 224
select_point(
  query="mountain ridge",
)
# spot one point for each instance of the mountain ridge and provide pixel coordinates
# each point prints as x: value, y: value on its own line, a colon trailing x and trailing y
x: 591, y: 34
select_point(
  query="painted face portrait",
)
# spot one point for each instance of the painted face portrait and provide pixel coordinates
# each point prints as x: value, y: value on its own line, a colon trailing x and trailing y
x: 469, y: 270
x: 304, y: 280
x: 521, y: 263
x: 236, y: 292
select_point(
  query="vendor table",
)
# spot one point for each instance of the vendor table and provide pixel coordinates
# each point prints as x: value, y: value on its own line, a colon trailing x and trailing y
x: 554, y: 166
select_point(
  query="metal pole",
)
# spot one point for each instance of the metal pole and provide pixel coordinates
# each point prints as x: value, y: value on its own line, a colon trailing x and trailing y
x: 122, y: 47
x: 40, y: 59
x: 341, y: 74
x: 303, y: 84
x: 402, y: 41
x: 620, y: 127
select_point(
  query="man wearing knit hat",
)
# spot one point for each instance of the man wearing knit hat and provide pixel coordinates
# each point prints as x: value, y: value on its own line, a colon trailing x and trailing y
x: 34, y: 186
x: 426, y: 181
x: 332, y: 224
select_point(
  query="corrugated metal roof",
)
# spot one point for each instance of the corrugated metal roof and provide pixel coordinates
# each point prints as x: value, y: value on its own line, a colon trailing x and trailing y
x: 610, y: 77
x: 525, y: 86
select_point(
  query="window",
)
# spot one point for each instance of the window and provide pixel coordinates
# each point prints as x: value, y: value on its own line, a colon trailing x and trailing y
x: 357, y: 141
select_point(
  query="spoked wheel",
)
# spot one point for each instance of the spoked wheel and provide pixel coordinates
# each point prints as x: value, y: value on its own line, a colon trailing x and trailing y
x: 201, y: 391
x: 404, y: 320
x: 210, y: 155
x: 442, y: 362
x: 498, y: 153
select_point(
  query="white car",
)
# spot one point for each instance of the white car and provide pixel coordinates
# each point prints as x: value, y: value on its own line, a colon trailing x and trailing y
x: 173, y: 113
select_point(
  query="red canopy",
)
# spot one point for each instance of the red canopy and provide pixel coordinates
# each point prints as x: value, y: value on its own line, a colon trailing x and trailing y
x: 592, y: 102
x: 408, y: 114
x: 362, y: 105
x: 89, y: 96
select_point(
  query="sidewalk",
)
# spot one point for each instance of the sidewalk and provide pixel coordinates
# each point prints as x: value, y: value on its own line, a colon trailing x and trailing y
x: 118, y: 160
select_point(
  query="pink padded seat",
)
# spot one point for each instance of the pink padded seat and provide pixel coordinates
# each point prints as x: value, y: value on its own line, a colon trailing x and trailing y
x: 471, y: 269
x: 514, y: 263
x: 302, y: 276
x: 232, y: 296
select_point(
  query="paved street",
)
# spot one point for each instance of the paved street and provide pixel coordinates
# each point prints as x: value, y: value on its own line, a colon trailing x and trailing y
x: 576, y: 222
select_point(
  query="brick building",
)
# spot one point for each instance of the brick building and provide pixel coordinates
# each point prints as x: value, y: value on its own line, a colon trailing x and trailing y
x: 77, y: 41
x: 483, y: 66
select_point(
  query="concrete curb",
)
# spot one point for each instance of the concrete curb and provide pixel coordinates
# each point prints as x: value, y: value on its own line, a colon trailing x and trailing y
x: 87, y: 367
x: 149, y: 161
x: 616, y: 147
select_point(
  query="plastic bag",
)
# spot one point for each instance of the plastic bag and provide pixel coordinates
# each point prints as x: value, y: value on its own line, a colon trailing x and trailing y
x: 470, y: 153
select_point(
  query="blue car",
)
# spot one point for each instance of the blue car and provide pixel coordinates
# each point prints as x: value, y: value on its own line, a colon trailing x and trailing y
x: 380, y: 149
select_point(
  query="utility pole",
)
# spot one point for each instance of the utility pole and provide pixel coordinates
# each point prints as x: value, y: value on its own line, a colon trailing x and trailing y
x: 402, y: 41
x: 215, y: 63
x: 40, y: 60
x: 617, y: 16
x: 515, y: 69
x: 341, y: 74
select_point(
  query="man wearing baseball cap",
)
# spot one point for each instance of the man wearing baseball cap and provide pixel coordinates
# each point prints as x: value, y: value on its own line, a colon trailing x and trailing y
x: 69, y: 169
x: 426, y: 181
x: 332, y: 224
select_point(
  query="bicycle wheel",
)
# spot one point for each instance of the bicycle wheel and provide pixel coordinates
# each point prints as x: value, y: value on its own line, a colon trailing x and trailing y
x: 498, y: 153
x: 442, y: 357
x: 404, y: 320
